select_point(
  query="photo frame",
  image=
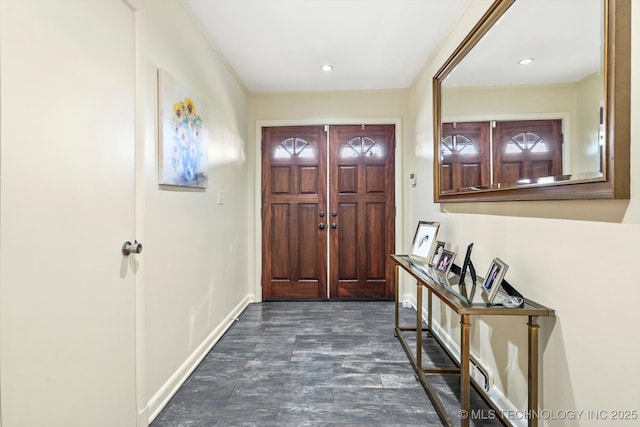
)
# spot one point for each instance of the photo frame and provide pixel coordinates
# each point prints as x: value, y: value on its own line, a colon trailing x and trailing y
x: 445, y: 262
x: 183, y: 134
x: 437, y: 251
x: 493, y: 278
x: 424, y: 241
x: 467, y: 265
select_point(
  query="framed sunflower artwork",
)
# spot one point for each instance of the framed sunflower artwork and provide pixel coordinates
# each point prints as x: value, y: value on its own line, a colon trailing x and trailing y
x: 183, y: 134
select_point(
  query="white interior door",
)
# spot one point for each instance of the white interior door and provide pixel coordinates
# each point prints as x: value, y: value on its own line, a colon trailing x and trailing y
x: 67, y: 331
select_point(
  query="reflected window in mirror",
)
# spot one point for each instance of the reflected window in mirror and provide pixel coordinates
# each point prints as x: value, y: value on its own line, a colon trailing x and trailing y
x: 527, y: 150
x: 465, y: 155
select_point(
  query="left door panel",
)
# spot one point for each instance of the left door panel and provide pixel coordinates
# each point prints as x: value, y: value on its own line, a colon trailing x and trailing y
x: 294, y: 221
x: 67, y: 324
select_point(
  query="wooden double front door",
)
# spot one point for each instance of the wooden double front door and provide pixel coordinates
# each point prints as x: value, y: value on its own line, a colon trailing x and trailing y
x: 328, y: 212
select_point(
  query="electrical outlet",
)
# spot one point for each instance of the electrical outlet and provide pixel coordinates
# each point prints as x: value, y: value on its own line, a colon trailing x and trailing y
x: 220, y: 198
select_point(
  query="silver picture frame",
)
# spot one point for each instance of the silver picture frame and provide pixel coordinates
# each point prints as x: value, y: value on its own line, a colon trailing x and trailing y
x: 437, y: 251
x: 493, y: 279
x: 445, y: 262
x: 424, y: 242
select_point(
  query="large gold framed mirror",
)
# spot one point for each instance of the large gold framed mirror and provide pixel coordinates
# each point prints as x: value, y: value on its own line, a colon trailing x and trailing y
x: 555, y: 128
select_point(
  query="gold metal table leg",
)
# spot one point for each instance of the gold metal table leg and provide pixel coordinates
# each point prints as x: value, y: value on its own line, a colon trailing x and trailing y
x: 429, y: 306
x: 465, y: 381
x: 533, y: 370
x: 419, y: 328
x: 397, y: 316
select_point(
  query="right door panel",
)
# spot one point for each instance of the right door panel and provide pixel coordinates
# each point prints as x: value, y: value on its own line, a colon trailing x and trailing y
x: 362, y: 211
x: 527, y: 150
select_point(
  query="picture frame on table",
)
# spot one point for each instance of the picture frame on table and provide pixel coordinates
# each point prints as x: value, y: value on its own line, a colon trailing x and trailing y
x: 493, y: 278
x: 445, y: 262
x: 424, y: 242
x: 437, y: 251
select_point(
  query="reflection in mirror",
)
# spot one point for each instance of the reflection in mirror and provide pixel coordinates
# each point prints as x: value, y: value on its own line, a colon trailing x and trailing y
x: 529, y: 104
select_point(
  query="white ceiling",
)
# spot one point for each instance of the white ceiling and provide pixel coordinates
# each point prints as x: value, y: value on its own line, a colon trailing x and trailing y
x: 280, y: 45
x: 566, y: 45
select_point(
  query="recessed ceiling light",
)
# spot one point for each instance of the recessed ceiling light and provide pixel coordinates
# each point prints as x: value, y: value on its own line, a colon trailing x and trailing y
x: 525, y: 61
x: 326, y: 67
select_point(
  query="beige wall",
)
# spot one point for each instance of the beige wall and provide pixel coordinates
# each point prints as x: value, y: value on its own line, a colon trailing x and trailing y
x: 585, y: 157
x: 194, y: 265
x: 575, y: 257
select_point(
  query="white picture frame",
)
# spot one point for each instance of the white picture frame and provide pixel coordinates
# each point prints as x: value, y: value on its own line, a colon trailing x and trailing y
x: 424, y: 242
x: 183, y: 134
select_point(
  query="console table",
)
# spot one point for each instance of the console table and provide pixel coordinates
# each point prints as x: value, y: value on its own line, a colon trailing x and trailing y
x: 465, y: 307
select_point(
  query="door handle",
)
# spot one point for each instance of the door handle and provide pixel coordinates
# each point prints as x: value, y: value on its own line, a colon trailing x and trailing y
x: 322, y: 226
x: 131, y: 248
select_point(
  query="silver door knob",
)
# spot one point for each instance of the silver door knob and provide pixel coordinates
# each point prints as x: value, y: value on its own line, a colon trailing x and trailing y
x: 131, y: 248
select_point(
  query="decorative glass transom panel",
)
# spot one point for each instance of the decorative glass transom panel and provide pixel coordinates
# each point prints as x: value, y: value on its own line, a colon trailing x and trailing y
x: 527, y: 142
x: 361, y: 146
x: 294, y: 147
x: 458, y: 144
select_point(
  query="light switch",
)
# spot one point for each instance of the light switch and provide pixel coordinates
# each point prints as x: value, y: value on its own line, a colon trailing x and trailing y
x: 220, y: 197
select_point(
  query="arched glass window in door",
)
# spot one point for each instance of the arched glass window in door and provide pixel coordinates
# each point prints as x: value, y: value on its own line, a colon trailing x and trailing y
x: 458, y: 144
x: 361, y: 146
x: 526, y: 142
x: 294, y: 147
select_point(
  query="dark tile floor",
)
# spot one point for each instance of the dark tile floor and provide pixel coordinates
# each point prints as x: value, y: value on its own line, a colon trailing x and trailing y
x: 313, y: 364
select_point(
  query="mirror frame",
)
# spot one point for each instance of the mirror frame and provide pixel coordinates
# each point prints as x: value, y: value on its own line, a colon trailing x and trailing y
x: 615, y: 183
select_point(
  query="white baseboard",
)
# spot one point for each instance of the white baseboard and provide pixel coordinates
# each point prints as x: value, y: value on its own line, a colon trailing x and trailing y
x: 496, y: 395
x: 142, y: 420
x: 166, y: 392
